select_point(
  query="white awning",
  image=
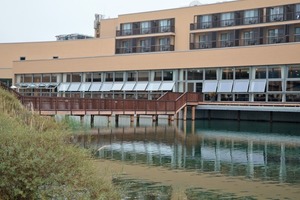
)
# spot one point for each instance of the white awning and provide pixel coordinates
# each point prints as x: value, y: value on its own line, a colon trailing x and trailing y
x: 63, y: 87
x: 140, y: 86
x: 95, y: 87
x: 74, y: 87
x: 106, y: 87
x: 128, y: 86
x: 240, y: 86
x: 85, y: 86
x: 209, y: 86
x: 153, y: 86
x: 117, y: 86
x: 225, y: 86
x: 258, y: 85
x: 167, y: 86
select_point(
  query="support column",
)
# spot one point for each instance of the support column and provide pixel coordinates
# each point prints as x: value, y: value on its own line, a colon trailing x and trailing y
x: 185, y: 113
x: 193, y: 113
x: 81, y: 118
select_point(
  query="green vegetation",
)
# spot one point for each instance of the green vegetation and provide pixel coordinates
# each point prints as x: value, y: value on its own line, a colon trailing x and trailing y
x: 39, y: 161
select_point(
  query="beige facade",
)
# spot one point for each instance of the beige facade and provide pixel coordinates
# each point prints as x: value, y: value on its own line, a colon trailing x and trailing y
x: 259, y: 36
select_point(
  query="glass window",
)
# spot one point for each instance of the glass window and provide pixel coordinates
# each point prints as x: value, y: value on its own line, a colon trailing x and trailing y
x: 145, y: 27
x: 95, y: 87
x: 117, y: 86
x: 227, y: 19
x: 206, y: 21
x: 210, y: 86
x: 37, y: 78
x: 74, y: 87
x: 275, y: 86
x: 210, y: 74
x: 297, y: 33
x: 205, y: 41
x: 129, y: 86
x: 85, y: 86
x: 292, y: 97
x: 46, y: 78
x: 127, y: 29
x: 274, y: 72
x: 141, y: 86
x: 76, y: 77
x: 250, y: 38
x: 145, y: 45
x: 195, y: 74
x: 54, y: 78
x: 226, y: 39
x: 257, y: 86
x: 168, y: 75
x: 164, y: 44
x: 242, y: 97
x: 27, y: 78
x: 294, y: 71
x: 242, y: 73
x: 106, y: 87
x: 260, y: 73
x: 88, y: 77
x: 143, y: 75
x: 63, y: 87
x: 259, y: 97
x: 167, y: 86
x: 225, y: 86
x: 240, y: 86
x: 226, y: 97
x: 131, y: 76
x: 275, y: 97
x: 276, y: 13
x: 297, y: 11
x: 164, y: 25
x: 275, y: 36
x: 125, y: 47
x: 157, y: 76
x: 153, y: 86
x: 250, y: 16
x: 119, y: 76
x: 293, y: 86
x: 227, y: 73
x: 109, y: 77
x: 96, y: 77
x: 190, y: 87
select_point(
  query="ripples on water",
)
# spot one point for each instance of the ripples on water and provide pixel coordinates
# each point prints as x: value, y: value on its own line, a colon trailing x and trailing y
x: 249, y: 150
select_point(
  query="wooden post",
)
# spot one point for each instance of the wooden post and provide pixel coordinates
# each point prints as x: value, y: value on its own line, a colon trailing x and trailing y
x: 193, y: 113
x: 185, y: 113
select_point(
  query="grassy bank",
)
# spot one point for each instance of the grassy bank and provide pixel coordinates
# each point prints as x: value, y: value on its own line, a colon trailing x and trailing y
x: 38, y: 160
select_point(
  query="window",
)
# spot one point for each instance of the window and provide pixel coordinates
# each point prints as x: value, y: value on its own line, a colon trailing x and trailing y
x: 275, y: 86
x: 195, y: 74
x: 227, y: 73
x: 257, y: 86
x: 131, y: 76
x: 225, y: 86
x: 210, y: 74
x: 205, y: 41
x: 118, y: 76
x: 96, y: 77
x: 143, y: 76
x: 164, y: 44
x: 240, y: 86
x: 76, y: 77
x: 109, y: 77
x: 276, y: 13
x: 274, y: 72
x: 27, y: 78
x: 297, y: 34
x: 226, y: 39
x: 127, y: 29
x: 125, y: 47
x: 250, y: 16
x: 164, y: 25
x: 22, y: 58
x: 294, y: 71
x: 227, y: 19
x: 145, y: 27
x: 210, y: 86
x: 293, y: 86
x: 46, y: 78
x: 54, y: 78
x: 168, y: 75
x: 297, y: 11
x: 145, y: 45
x: 37, y: 78
x: 157, y: 76
x: 242, y: 73
x: 206, y: 21
x: 250, y: 38
x: 260, y: 73
x: 275, y: 36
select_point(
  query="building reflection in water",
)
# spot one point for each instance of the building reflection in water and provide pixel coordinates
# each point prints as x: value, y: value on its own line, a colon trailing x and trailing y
x: 229, y: 148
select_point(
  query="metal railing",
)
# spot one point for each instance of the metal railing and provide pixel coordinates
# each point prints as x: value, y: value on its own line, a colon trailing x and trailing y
x: 139, y: 49
x: 148, y: 30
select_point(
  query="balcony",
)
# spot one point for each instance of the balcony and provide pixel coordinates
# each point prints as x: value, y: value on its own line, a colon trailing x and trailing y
x: 144, y: 31
x: 139, y: 49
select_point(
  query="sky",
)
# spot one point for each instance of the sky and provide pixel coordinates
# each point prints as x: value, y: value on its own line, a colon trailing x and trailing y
x: 42, y: 20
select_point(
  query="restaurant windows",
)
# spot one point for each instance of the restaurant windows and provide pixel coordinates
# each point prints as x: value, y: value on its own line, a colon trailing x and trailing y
x: 274, y: 72
x: 297, y: 34
x: 143, y: 75
x: 227, y: 19
x: 227, y: 73
x: 127, y: 29
x: 226, y: 39
x: 96, y: 77
x: 260, y: 73
x: 55, y: 77
x: 131, y: 76
x: 145, y: 27
x: 194, y: 74
x: 251, y: 17
x: 168, y: 75
x: 275, y: 36
x: 27, y: 78
x: 276, y: 13
x: 119, y: 76
x: 46, y: 78
x: 37, y: 78
x: 260, y: 97
x: 294, y: 71
x: 205, y: 21
x: 109, y: 77
x: 293, y: 86
x: 157, y: 76
x: 210, y: 74
x: 292, y: 97
x: 275, y: 86
x: 242, y: 73
x: 76, y: 77
x: 164, y: 25
x: 275, y: 97
x: 241, y: 97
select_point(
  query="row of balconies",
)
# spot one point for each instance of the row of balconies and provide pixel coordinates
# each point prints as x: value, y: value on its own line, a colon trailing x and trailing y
x: 147, y: 30
x: 144, y: 49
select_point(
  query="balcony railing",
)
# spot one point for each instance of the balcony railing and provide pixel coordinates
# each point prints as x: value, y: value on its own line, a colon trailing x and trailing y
x: 244, y: 42
x: 139, y: 49
x: 148, y: 30
x: 245, y: 20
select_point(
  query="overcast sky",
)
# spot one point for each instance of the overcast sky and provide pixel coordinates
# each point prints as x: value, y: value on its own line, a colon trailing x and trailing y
x: 42, y: 20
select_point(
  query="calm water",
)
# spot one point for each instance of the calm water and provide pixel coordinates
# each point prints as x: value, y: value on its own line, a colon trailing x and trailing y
x: 201, y: 159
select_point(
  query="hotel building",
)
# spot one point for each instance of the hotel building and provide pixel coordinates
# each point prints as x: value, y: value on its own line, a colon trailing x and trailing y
x: 246, y: 50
